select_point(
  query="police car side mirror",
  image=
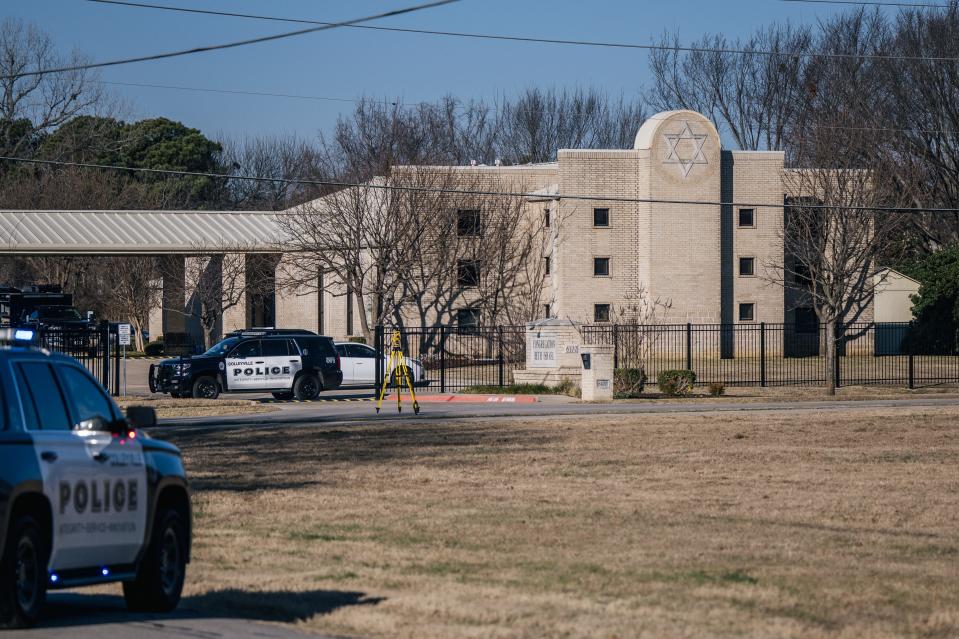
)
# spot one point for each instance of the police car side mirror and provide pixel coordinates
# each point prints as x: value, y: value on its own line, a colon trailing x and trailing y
x: 141, y: 417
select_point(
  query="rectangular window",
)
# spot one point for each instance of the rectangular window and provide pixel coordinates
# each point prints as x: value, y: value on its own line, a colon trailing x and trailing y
x: 600, y: 312
x: 600, y: 217
x: 468, y: 273
x: 546, y: 218
x: 546, y: 311
x: 89, y: 405
x: 601, y: 266
x: 747, y: 266
x: 467, y: 320
x: 275, y: 348
x: 747, y: 218
x: 39, y: 388
x: 468, y: 222
x: 547, y: 264
x: 806, y: 320
x: 747, y: 312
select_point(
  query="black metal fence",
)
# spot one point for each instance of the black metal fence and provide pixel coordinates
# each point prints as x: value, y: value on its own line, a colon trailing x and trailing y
x: 97, y: 348
x: 760, y: 354
x: 764, y: 354
x: 454, y: 358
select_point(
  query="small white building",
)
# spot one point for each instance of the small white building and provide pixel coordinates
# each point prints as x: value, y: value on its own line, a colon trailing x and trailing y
x: 893, y: 298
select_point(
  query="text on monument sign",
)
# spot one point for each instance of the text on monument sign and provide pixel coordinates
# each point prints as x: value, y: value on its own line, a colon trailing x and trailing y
x: 542, y: 352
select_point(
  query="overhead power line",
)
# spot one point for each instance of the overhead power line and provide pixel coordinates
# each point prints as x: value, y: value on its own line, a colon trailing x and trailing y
x: 241, y: 92
x: 229, y: 45
x: 453, y: 191
x: 514, y: 38
x: 874, y: 4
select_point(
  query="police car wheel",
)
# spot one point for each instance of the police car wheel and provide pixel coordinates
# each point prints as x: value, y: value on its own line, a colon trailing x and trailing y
x: 159, y: 581
x: 206, y: 388
x: 306, y: 387
x: 23, y: 584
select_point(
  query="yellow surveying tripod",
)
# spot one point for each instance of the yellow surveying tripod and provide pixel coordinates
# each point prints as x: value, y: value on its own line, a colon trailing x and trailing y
x: 396, y: 365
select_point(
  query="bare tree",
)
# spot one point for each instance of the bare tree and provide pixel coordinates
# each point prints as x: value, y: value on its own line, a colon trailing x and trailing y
x: 922, y: 111
x: 131, y: 291
x: 215, y: 280
x: 836, y: 228
x: 355, y: 238
x: 281, y: 159
x: 31, y: 105
x: 534, y: 125
x: 754, y: 97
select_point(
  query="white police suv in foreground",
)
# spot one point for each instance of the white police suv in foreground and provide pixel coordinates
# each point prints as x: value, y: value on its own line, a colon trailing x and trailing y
x: 85, y: 497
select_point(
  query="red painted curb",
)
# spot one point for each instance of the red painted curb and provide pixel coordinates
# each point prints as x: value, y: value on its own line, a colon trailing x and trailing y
x: 468, y: 399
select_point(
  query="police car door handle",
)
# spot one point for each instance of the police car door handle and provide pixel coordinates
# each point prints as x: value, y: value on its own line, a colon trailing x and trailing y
x: 101, y: 457
x: 48, y: 456
x: 257, y: 362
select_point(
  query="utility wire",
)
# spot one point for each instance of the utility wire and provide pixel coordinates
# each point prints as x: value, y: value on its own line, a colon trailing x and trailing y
x: 510, y: 38
x: 229, y: 45
x: 243, y: 92
x: 451, y: 191
x: 874, y: 4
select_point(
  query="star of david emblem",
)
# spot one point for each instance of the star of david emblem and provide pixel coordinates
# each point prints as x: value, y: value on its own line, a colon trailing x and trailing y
x: 685, y: 159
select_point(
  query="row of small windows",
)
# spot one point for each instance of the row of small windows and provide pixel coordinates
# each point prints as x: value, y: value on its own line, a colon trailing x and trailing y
x: 468, y: 271
x: 601, y: 312
x: 601, y: 219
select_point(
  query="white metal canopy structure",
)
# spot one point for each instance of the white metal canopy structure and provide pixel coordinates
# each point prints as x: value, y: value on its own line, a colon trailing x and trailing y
x: 137, y: 232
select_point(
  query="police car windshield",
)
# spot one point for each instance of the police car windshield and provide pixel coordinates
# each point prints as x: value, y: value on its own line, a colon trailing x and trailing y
x: 221, y: 348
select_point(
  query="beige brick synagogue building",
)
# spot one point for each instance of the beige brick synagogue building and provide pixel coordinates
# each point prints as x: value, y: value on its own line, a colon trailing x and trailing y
x: 659, y: 233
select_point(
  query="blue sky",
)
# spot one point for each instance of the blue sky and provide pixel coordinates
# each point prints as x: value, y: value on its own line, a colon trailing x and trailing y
x: 348, y: 63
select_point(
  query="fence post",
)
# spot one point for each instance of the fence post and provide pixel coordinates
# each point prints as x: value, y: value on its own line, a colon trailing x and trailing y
x: 689, y: 346
x: 762, y: 354
x: 116, y: 361
x: 378, y: 346
x: 615, y: 346
x: 838, y: 361
x: 499, y: 330
x: 442, y: 359
x: 105, y: 352
x: 912, y: 371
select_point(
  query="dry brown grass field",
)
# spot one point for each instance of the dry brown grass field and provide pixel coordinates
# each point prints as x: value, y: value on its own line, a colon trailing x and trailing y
x: 789, y: 524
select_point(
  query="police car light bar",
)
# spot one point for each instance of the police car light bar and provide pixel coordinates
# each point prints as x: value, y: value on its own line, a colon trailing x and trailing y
x: 17, y: 336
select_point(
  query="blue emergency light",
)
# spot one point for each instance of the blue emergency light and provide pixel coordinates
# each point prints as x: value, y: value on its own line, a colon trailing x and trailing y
x: 18, y: 336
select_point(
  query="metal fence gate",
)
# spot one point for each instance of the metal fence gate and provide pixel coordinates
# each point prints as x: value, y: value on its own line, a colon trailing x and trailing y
x: 97, y: 348
x: 455, y: 358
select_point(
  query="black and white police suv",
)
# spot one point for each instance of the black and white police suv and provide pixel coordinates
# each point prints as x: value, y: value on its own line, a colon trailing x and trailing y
x: 287, y: 363
x: 85, y: 497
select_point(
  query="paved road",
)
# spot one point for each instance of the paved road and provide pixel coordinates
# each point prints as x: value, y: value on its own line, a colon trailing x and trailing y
x: 307, y: 414
x: 82, y: 616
